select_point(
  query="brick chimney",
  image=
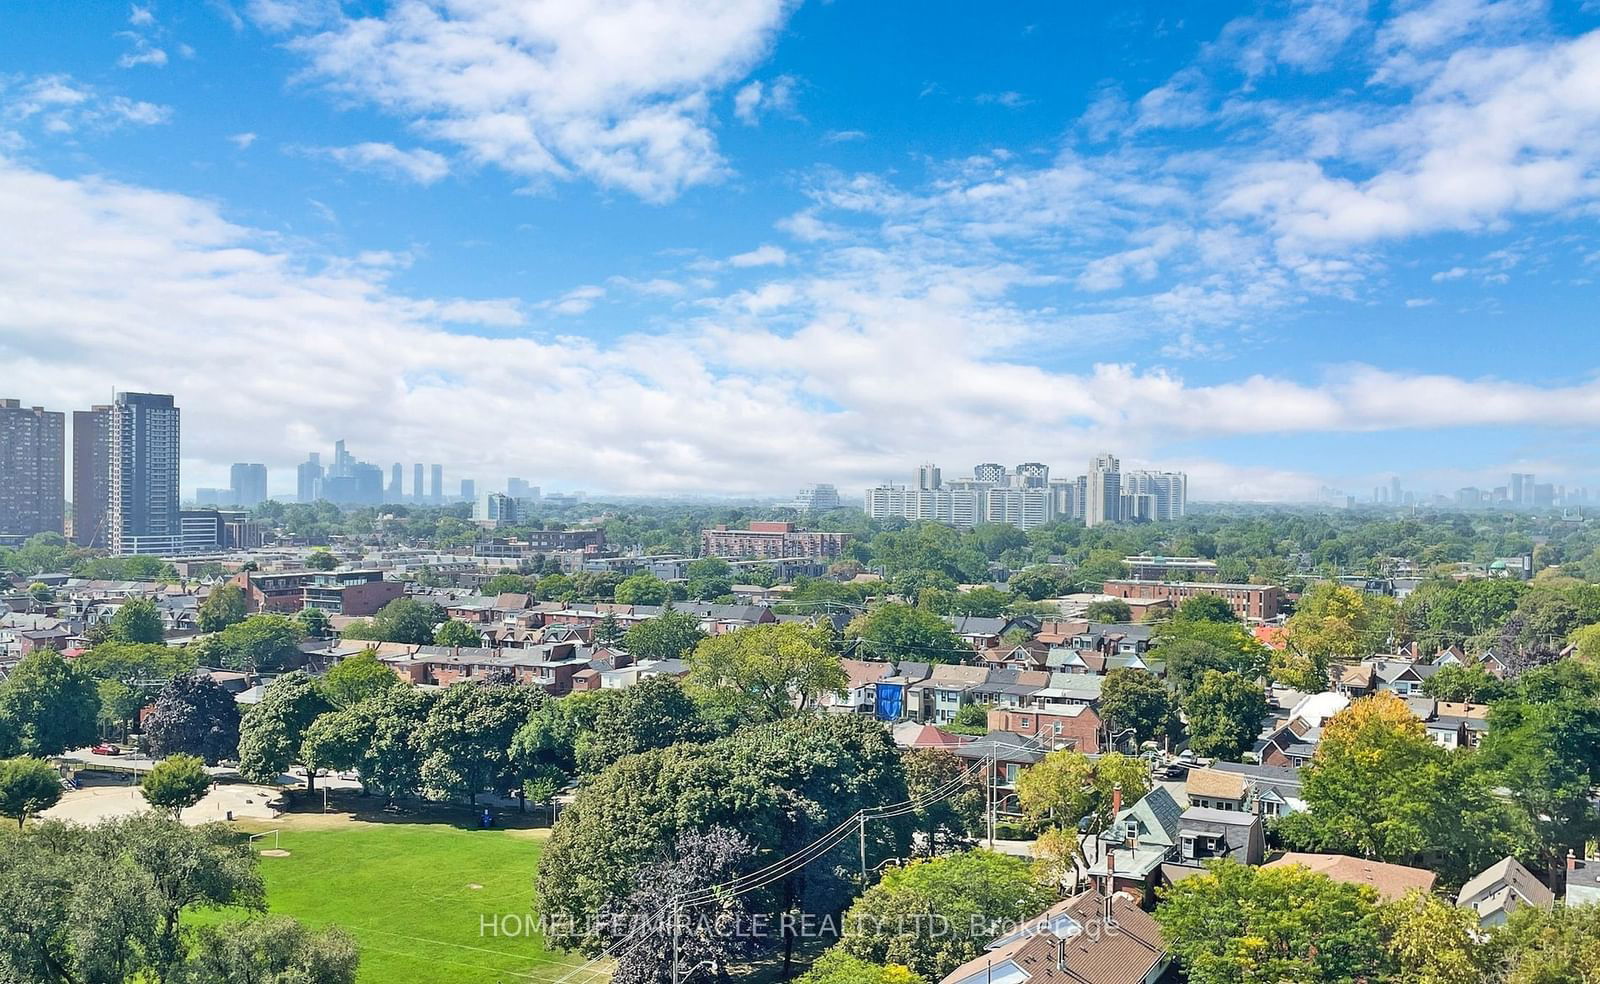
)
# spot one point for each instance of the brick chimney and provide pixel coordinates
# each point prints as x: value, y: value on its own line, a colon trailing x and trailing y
x: 1573, y: 864
x: 1116, y: 800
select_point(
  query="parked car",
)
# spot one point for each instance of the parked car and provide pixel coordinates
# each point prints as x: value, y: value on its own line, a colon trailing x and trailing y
x: 1172, y: 770
x: 1085, y: 824
x: 104, y: 749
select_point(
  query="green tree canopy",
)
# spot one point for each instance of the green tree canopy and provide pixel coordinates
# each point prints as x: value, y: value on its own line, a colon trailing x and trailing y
x: 643, y: 589
x: 670, y: 635
x: 27, y: 786
x: 48, y: 705
x: 260, y: 643
x: 453, y: 633
x: 176, y: 783
x: 271, y: 731
x: 765, y: 672
x: 193, y: 715
x: 1133, y: 698
x: 224, y: 606
x: 138, y: 620
x: 358, y: 677
x: 1241, y: 925
x: 892, y: 632
x: 1225, y: 713
x: 934, y: 915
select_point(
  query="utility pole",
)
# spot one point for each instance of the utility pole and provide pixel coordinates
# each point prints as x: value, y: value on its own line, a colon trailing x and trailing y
x: 862, y: 830
x: 676, y: 924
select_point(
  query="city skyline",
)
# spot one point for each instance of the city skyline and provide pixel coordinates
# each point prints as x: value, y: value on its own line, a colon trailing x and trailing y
x: 1254, y: 253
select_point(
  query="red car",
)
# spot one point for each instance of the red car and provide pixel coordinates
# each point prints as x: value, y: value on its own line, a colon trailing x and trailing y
x: 106, y: 750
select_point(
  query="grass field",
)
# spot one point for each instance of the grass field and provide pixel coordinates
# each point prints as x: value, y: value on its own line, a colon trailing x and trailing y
x: 416, y: 897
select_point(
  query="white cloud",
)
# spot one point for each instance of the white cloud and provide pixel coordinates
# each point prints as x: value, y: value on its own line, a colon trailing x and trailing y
x: 419, y: 165
x: 242, y: 140
x: 759, y: 99
x: 843, y: 136
x: 141, y: 16
x: 1454, y: 273
x: 60, y: 105
x: 547, y: 89
x: 579, y: 300
x: 142, y: 53
x: 1419, y: 302
x: 111, y: 273
x: 760, y: 256
x: 1010, y: 100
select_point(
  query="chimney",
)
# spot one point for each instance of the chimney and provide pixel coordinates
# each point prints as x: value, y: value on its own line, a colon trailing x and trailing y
x: 1573, y: 864
x: 1116, y: 800
x: 1111, y: 863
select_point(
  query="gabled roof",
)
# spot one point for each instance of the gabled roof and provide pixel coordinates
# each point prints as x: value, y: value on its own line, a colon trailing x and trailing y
x: 1499, y: 887
x: 1056, y: 947
x: 1157, y: 816
x: 1214, y: 784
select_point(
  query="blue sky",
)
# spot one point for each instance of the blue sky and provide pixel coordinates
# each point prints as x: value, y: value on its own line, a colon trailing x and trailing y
x: 738, y: 245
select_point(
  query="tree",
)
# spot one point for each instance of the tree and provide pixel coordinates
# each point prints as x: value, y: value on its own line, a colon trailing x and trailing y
x: 699, y: 933
x: 408, y: 620
x: 1241, y: 925
x: 1115, y: 610
x: 138, y: 620
x: 129, y: 675
x: 314, y: 623
x: 838, y: 967
x: 1332, y: 624
x: 48, y: 705
x: 1471, y: 684
x: 1431, y: 941
x: 970, y: 719
x: 1549, y: 947
x: 765, y: 672
x: 224, y: 606
x: 321, y: 560
x: 271, y: 731
x: 272, y: 950
x: 1225, y: 713
x: 453, y: 633
x: 670, y: 635
x: 607, y: 631
x: 466, y: 740
x: 1041, y: 581
x: 783, y: 785
x: 643, y: 589
x: 1066, y: 786
x: 260, y: 643
x: 509, y: 584
x: 1207, y: 608
x: 933, y: 773
x: 193, y: 715
x: 353, y: 680
x: 934, y: 915
x: 1379, y: 787
x: 893, y: 632
x: 176, y: 784
x: 653, y: 713
x: 1190, y: 647
x: 27, y: 786
x: 1131, y: 698
x: 377, y: 737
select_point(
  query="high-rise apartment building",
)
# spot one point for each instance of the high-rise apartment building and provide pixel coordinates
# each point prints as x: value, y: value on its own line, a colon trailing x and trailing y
x: 33, y: 462
x: 1104, y: 503
x: 816, y: 499
x: 436, y: 485
x: 91, y: 475
x: 142, y: 508
x: 394, y: 493
x: 308, y: 478
x: 1029, y: 497
x: 249, y: 484
x: 469, y: 490
x: 416, y: 482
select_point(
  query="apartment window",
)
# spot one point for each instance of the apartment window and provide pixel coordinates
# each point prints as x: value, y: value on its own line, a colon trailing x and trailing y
x: 1056, y: 727
x: 1024, y: 721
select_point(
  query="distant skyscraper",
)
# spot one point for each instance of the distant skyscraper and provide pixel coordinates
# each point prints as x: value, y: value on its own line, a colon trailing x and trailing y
x: 142, y: 511
x: 394, y: 494
x: 91, y: 475
x: 989, y: 472
x: 416, y: 482
x: 817, y: 499
x: 33, y: 463
x: 1032, y: 475
x: 1104, y: 501
x: 308, y: 478
x: 1395, y: 495
x: 469, y: 490
x: 249, y: 484
x: 436, y: 485
x: 928, y: 477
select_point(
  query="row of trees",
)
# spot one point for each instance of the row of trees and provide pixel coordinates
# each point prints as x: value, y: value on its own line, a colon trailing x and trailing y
x: 106, y: 904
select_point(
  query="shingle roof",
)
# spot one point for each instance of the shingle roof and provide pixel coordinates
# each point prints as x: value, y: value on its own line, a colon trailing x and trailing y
x: 1214, y: 784
x: 1390, y: 880
x: 1055, y: 948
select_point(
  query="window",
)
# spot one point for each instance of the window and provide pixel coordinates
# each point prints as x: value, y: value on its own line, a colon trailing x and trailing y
x: 1024, y: 721
x: 1057, y: 727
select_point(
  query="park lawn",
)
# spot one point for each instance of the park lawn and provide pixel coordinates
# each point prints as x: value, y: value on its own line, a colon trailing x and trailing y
x: 419, y: 898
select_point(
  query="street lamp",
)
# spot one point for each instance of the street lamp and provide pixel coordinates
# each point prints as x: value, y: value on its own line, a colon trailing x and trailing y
x: 1116, y: 737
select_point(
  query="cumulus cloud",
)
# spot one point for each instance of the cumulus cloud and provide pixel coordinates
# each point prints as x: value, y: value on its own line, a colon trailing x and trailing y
x: 759, y: 99
x: 549, y: 90
x: 760, y: 256
x: 60, y: 105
